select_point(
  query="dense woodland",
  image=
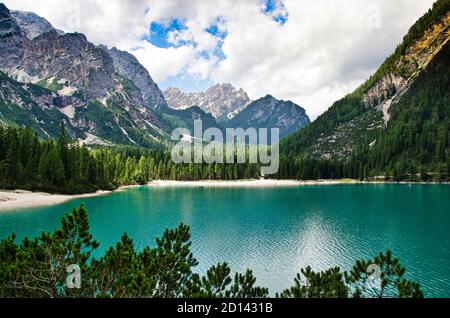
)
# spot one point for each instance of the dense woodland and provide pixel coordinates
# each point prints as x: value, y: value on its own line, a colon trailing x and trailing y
x: 64, y: 166
x: 414, y: 146
x: 38, y: 268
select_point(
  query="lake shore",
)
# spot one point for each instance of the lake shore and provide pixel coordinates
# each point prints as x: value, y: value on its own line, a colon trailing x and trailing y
x: 262, y: 183
x: 21, y: 199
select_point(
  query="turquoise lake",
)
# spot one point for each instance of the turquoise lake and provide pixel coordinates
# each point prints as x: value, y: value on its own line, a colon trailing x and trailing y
x: 275, y: 231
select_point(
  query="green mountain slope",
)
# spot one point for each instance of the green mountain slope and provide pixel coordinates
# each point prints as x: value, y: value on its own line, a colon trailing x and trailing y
x: 359, y: 119
x: 19, y: 105
x: 419, y: 129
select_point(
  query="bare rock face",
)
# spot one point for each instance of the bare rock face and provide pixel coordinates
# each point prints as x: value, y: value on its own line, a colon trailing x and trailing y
x: 177, y: 99
x: 385, y: 88
x: 269, y: 112
x: 69, y: 57
x: 128, y: 66
x: 390, y: 87
x: 223, y: 101
x: 32, y: 24
x: 8, y: 26
x: 12, y: 42
x: 51, y: 77
x: 383, y: 93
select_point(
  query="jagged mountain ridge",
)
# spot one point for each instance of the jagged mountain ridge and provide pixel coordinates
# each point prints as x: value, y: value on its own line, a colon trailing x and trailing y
x: 360, y: 118
x: 81, y: 81
x: 268, y: 112
x: 105, y: 96
x: 223, y: 101
x: 232, y: 108
x: 128, y: 66
x: 32, y: 24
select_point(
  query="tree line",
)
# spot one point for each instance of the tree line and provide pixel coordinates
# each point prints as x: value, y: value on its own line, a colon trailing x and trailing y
x: 37, y: 268
x: 415, y: 145
x: 65, y: 166
x: 361, y: 167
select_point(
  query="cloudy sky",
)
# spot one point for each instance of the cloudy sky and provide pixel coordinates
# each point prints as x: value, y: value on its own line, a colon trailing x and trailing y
x: 309, y: 51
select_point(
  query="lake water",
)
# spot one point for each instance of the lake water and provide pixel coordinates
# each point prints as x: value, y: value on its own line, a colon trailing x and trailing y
x: 275, y: 231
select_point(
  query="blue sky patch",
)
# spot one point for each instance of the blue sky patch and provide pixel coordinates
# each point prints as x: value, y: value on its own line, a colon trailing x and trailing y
x: 215, y: 31
x: 268, y: 7
x: 159, y: 32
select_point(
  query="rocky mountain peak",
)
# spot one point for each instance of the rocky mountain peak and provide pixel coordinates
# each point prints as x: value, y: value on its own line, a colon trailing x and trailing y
x: 12, y: 42
x: 269, y: 97
x: 218, y: 86
x: 8, y: 25
x: 269, y: 112
x: 70, y: 58
x: 173, y: 90
x: 4, y: 12
x: 223, y: 101
x: 51, y: 77
x: 128, y: 66
x: 32, y: 24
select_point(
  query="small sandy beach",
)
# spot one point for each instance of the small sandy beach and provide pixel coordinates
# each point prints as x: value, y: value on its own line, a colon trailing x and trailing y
x: 20, y: 199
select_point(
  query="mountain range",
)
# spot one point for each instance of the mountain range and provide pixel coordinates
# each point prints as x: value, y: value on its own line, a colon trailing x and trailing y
x: 271, y: 112
x: 104, y: 96
x: 52, y: 77
x: 223, y: 101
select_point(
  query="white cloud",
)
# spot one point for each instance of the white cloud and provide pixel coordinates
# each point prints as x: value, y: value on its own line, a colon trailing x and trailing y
x: 109, y: 22
x: 163, y: 63
x: 324, y: 50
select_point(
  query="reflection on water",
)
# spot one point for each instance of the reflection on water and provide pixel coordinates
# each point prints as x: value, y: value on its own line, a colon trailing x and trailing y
x: 275, y: 231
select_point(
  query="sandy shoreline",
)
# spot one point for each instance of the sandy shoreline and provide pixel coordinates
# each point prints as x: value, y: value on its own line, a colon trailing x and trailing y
x: 247, y: 183
x: 20, y: 199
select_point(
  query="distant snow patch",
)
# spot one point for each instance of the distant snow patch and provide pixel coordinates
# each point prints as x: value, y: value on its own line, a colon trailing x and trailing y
x: 50, y: 80
x: 232, y: 114
x: 104, y: 101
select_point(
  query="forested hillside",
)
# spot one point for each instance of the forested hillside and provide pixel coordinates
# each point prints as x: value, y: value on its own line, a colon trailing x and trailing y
x: 416, y: 140
x: 419, y: 130
x: 397, y: 123
x: 64, y: 166
x: 357, y: 119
